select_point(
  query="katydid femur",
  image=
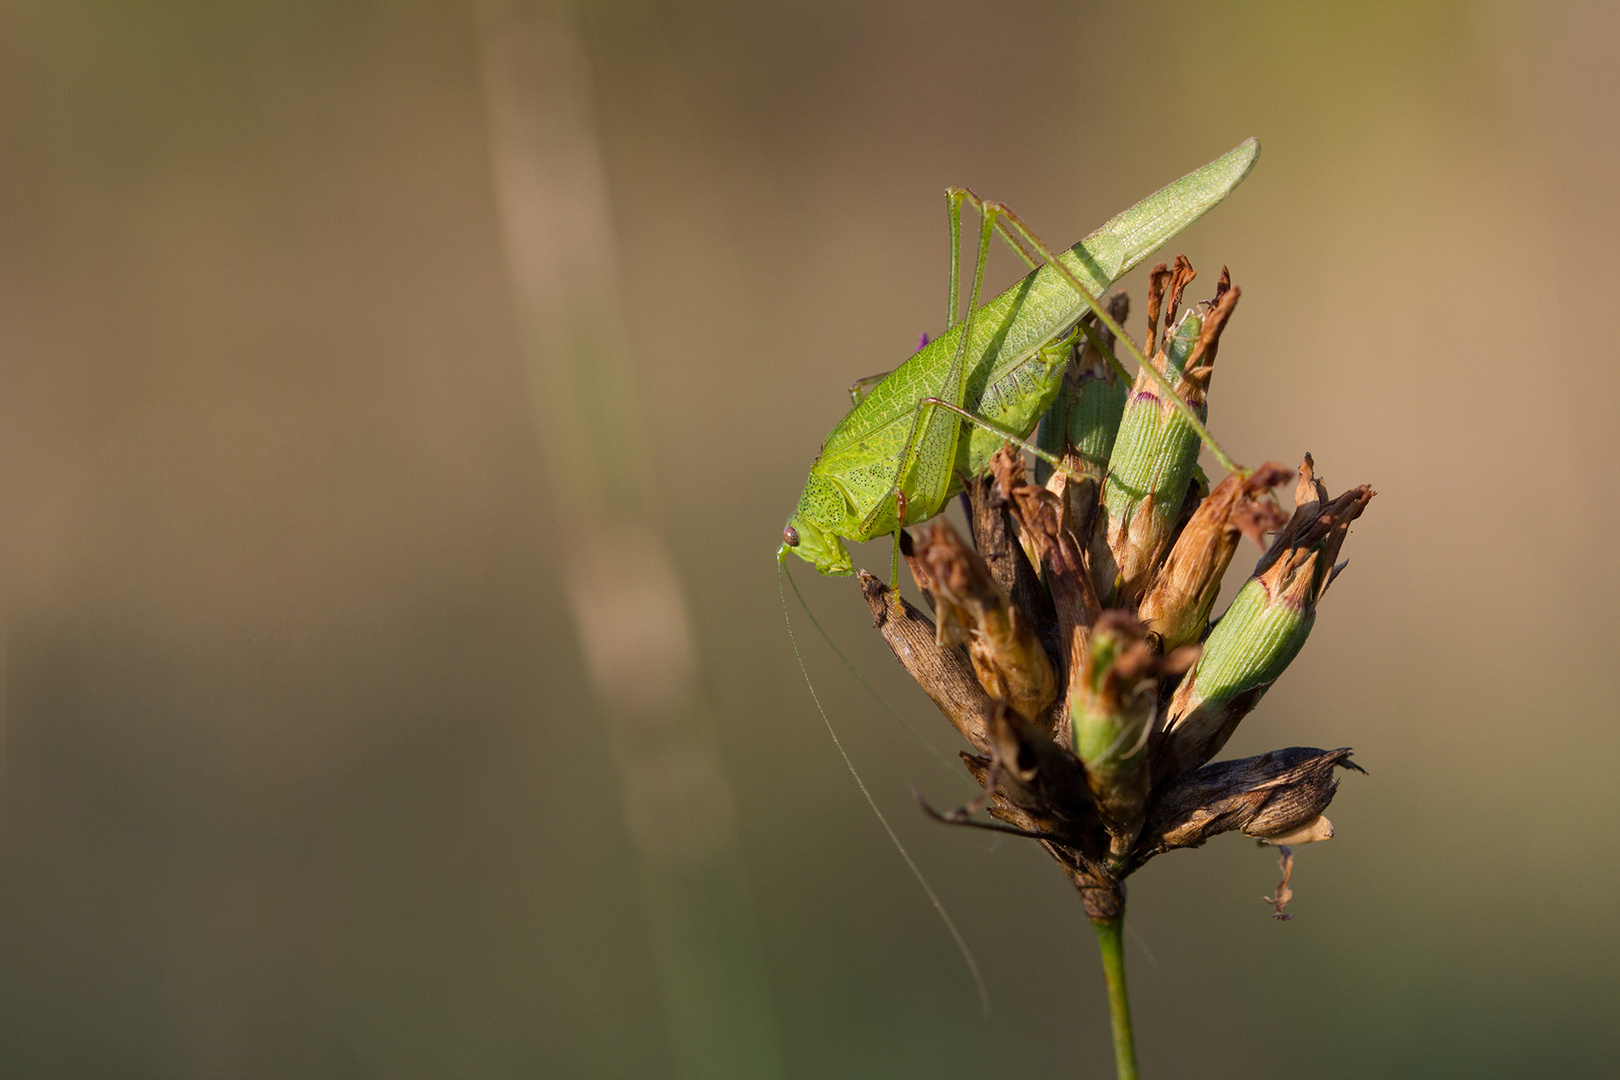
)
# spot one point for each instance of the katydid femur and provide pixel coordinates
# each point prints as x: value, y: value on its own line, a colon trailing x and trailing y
x: 901, y: 452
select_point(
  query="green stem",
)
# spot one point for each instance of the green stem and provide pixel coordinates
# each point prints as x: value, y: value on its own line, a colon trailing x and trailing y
x: 1110, y: 941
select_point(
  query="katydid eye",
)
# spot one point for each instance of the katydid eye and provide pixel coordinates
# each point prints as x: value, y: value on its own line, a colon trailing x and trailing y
x: 790, y: 536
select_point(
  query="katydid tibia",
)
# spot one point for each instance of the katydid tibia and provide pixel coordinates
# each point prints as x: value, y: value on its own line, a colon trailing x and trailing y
x: 901, y: 452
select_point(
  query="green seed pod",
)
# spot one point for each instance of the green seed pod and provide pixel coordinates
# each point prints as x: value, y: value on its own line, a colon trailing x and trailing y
x: 1112, y: 703
x: 1254, y: 642
x: 1178, y: 604
x: 1157, y: 449
x: 1262, y: 631
x: 1084, y: 420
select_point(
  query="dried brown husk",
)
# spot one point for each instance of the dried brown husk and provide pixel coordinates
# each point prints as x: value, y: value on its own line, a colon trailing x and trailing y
x: 1177, y: 607
x: 971, y: 608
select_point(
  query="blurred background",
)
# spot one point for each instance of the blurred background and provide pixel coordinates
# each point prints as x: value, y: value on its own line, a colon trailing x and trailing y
x: 401, y: 407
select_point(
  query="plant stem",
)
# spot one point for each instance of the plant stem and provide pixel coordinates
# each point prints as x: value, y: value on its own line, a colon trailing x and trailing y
x: 1110, y: 941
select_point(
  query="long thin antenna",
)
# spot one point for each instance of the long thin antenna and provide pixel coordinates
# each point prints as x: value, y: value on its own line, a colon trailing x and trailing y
x: 939, y: 755
x: 956, y: 935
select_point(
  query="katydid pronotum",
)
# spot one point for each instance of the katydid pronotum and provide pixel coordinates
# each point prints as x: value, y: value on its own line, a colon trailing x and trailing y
x: 901, y: 452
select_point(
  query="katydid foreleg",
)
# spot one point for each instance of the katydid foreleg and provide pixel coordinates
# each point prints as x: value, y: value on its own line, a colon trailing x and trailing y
x: 1011, y: 436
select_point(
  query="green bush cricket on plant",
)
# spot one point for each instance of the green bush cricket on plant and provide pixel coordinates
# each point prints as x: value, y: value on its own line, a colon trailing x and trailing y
x: 901, y: 452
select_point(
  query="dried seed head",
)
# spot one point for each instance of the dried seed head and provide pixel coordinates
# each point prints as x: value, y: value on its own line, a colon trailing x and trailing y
x: 1024, y: 601
x: 1178, y: 604
x: 1263, y: 630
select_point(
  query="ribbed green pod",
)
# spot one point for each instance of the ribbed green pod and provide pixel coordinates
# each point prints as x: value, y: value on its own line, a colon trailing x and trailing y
x: 1149, y: 469
x: 1106, y: 738
x: 1250, y: 647
x: 1085, y: 417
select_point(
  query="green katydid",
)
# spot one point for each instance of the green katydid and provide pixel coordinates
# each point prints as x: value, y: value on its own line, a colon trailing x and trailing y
x: 897, y: 457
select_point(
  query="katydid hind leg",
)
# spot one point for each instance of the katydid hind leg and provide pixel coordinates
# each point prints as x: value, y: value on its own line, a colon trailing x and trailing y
x: 1015, y: 232
x: 954, y: 198
x: 1017, y: 235
x: 923, y: 470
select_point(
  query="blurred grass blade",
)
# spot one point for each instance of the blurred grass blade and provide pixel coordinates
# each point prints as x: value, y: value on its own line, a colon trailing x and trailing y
x: 628, y: 605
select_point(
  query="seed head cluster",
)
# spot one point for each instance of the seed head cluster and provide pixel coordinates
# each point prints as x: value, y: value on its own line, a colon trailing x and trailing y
x: 1071, y: 642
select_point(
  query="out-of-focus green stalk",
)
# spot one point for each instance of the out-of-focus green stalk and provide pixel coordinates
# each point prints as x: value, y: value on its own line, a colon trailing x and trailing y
x: 1110, y: 940
x: 628, y: 602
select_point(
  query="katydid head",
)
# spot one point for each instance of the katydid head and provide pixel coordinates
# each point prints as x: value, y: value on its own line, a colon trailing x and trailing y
x: 816, y: 546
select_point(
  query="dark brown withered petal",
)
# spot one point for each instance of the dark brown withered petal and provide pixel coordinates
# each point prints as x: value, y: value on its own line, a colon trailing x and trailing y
x: 1007, y: 466
x: 1318, y: 526
x: 1038, y: 775
x: 1180, y: 278
x: 1044, y: 518
x: 1158, y: 281
x: 1202, y: 360
x: 1044, y: 523
x: 1263, y: 796
x: 1008, y: 657
x: 944, y: 673
x: 919, y: 572
x: 1010, y: 567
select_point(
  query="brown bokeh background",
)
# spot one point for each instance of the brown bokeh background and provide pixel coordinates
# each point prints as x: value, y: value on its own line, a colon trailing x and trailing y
x: 303, y: 776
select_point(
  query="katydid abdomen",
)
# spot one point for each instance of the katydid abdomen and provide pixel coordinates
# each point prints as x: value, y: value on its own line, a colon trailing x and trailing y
x: 897, y: 456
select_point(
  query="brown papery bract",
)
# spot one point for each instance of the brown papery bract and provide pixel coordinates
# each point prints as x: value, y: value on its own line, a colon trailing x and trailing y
x: 1177, y: 605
